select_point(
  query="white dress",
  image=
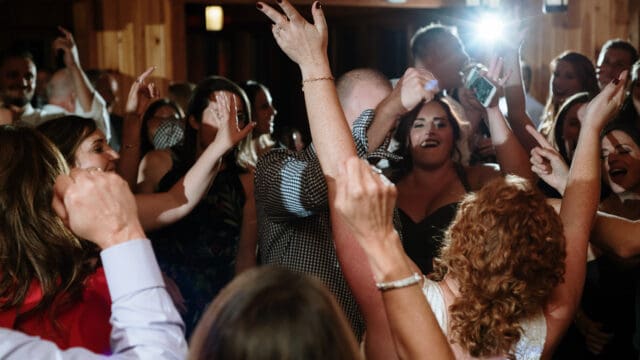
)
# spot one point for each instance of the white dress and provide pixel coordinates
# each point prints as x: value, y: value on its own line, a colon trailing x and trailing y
x: 534, y: 330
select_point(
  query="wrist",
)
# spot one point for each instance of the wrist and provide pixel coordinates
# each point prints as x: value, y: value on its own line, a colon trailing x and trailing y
x: 316, y: 69
x: 120, y: 236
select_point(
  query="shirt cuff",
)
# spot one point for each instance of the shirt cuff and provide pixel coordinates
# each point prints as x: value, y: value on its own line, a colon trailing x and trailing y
x: 131, y: 267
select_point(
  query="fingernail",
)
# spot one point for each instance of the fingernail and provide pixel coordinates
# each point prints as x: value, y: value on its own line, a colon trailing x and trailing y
x: 259, y: 6
x: 318, y: 5
x: 616, y: 81
x: 279, y: 1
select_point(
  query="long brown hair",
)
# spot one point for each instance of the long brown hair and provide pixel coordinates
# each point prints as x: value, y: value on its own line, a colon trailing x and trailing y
x: 34, y: 243
x: 273, y: 313
x: 506, y: 250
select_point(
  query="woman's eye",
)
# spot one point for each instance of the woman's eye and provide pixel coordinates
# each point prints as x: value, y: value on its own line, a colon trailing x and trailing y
x: 418, y: 125
x: 440, y: 124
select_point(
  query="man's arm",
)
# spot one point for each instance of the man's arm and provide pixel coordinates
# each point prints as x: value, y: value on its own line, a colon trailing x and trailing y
x: 145, y: 321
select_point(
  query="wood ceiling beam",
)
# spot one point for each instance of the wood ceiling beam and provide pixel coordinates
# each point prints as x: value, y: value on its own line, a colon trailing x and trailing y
x: 362, y: 3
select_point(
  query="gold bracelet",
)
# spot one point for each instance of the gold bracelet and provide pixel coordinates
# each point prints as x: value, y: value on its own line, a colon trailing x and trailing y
x: 330, y: 78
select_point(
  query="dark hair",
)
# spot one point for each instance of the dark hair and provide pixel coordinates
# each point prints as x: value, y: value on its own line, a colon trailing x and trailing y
x: 586, y: 73
x: 273, y: 313
x: 199, y: 102
x: 424, y: 39
x: 16, y: 52
x: 252, y: 88
x: 626, y: 127
x: 404, y: 166
x: 67, y: 133
x: 34, y: 243
x: 620, y: 45
x: 555, y: 136
x: 145, y: 143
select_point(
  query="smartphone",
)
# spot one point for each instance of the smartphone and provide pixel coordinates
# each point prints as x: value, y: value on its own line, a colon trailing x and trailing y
x: 481, y: 86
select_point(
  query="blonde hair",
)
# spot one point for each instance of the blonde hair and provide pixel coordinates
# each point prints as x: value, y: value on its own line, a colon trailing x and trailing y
x: 506, y: 250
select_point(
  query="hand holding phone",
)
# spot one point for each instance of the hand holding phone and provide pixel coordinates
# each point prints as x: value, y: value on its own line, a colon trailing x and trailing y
x: 481, y: 86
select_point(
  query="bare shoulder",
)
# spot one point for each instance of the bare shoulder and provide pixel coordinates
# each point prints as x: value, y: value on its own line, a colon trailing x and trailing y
x: 154, y: 165
x: 479, y: 175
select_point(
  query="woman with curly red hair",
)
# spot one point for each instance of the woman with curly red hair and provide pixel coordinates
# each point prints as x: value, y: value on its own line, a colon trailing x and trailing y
x: 512, y: 271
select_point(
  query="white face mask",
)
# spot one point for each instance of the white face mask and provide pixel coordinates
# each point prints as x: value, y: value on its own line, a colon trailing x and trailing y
x: 168, y: 134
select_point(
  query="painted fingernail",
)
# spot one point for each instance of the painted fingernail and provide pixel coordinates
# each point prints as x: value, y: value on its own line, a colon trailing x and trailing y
x: 616, y: 81
x: 259, y: 6
x: 279, y: 1
x: 318, y: 5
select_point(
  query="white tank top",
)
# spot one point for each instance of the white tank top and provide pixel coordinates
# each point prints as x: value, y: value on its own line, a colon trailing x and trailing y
x: 534, y: 330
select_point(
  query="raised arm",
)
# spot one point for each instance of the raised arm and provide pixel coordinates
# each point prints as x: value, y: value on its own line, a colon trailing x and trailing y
x: 145, y: 322
x: 512, y: 157
x: 83, y: 88
x: 306, y: 45
x: 415, y: 86
x: 578, y: 209
x: 514, y: 93
x: 161, y: 209
x: 415, y: 330
x: 140, y: 95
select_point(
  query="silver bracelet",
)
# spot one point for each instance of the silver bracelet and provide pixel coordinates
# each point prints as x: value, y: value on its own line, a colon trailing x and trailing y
x: 397, y: 284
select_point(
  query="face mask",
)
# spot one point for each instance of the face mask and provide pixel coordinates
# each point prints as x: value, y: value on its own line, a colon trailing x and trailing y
x: 169, y: 133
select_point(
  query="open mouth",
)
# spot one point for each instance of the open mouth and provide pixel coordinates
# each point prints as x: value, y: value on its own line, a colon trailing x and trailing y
x: 430, y: 143
x: 617, y: 173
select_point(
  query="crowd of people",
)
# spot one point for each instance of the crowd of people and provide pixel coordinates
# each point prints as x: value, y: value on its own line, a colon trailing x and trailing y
x: 417, y: 224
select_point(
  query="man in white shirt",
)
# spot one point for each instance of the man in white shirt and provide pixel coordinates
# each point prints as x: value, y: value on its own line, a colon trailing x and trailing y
x: 146, y: 324
x: 73, y: 91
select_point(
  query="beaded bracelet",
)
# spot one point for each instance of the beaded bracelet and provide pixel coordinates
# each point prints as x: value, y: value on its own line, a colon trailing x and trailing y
x: 330, y: 78
x: 397, y: 284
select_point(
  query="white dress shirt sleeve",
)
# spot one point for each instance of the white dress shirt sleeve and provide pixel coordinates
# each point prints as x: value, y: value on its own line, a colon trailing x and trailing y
x: 146, y: 324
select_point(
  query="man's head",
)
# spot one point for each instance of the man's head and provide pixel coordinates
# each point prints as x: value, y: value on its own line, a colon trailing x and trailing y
x: 616, y: 55
x: 17, y: 78
x: 438, y: 49
x: 361, y: 89
x: 61, y: 91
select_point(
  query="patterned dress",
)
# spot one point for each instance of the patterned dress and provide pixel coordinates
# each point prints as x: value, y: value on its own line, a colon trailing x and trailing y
x: 199, y: 251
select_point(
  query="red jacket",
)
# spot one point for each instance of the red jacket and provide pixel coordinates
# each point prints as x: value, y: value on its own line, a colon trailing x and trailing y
x: 85, y: 324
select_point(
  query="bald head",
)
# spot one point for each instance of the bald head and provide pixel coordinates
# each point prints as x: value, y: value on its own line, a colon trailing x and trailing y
x: 361, y: 89
x: 60, y: 90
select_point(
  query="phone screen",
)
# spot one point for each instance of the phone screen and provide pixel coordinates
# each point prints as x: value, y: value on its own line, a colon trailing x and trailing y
x: 483, y: 89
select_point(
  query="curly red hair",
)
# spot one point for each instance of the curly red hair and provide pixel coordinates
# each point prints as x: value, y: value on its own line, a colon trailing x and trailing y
x: 506, y: 250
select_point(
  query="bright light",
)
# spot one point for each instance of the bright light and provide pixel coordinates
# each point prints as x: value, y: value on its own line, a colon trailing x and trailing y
x: 489, y: 29
x: 213, y: 16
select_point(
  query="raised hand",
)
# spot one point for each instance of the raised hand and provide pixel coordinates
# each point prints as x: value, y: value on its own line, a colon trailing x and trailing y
x: 606, y: 104
x: 365, y: 199
x: 224, y: 110
x: 141, y: 94
x: 494, y: 75
x: 547, y: 162
x: 415, y: 86
x: 67, y: 44
x: 84, y: 196
x: 304, y: 43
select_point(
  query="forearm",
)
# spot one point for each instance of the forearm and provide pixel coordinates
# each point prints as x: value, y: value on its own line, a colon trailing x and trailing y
x: 385, y: 119
x: 329, y: 131
x: 83, y: 87
x: 130, y: 150
x: 512, y: 157
x: 516, y: 105
x: 248, y: 244
x: 161, y: 209
x: 416, y: 333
